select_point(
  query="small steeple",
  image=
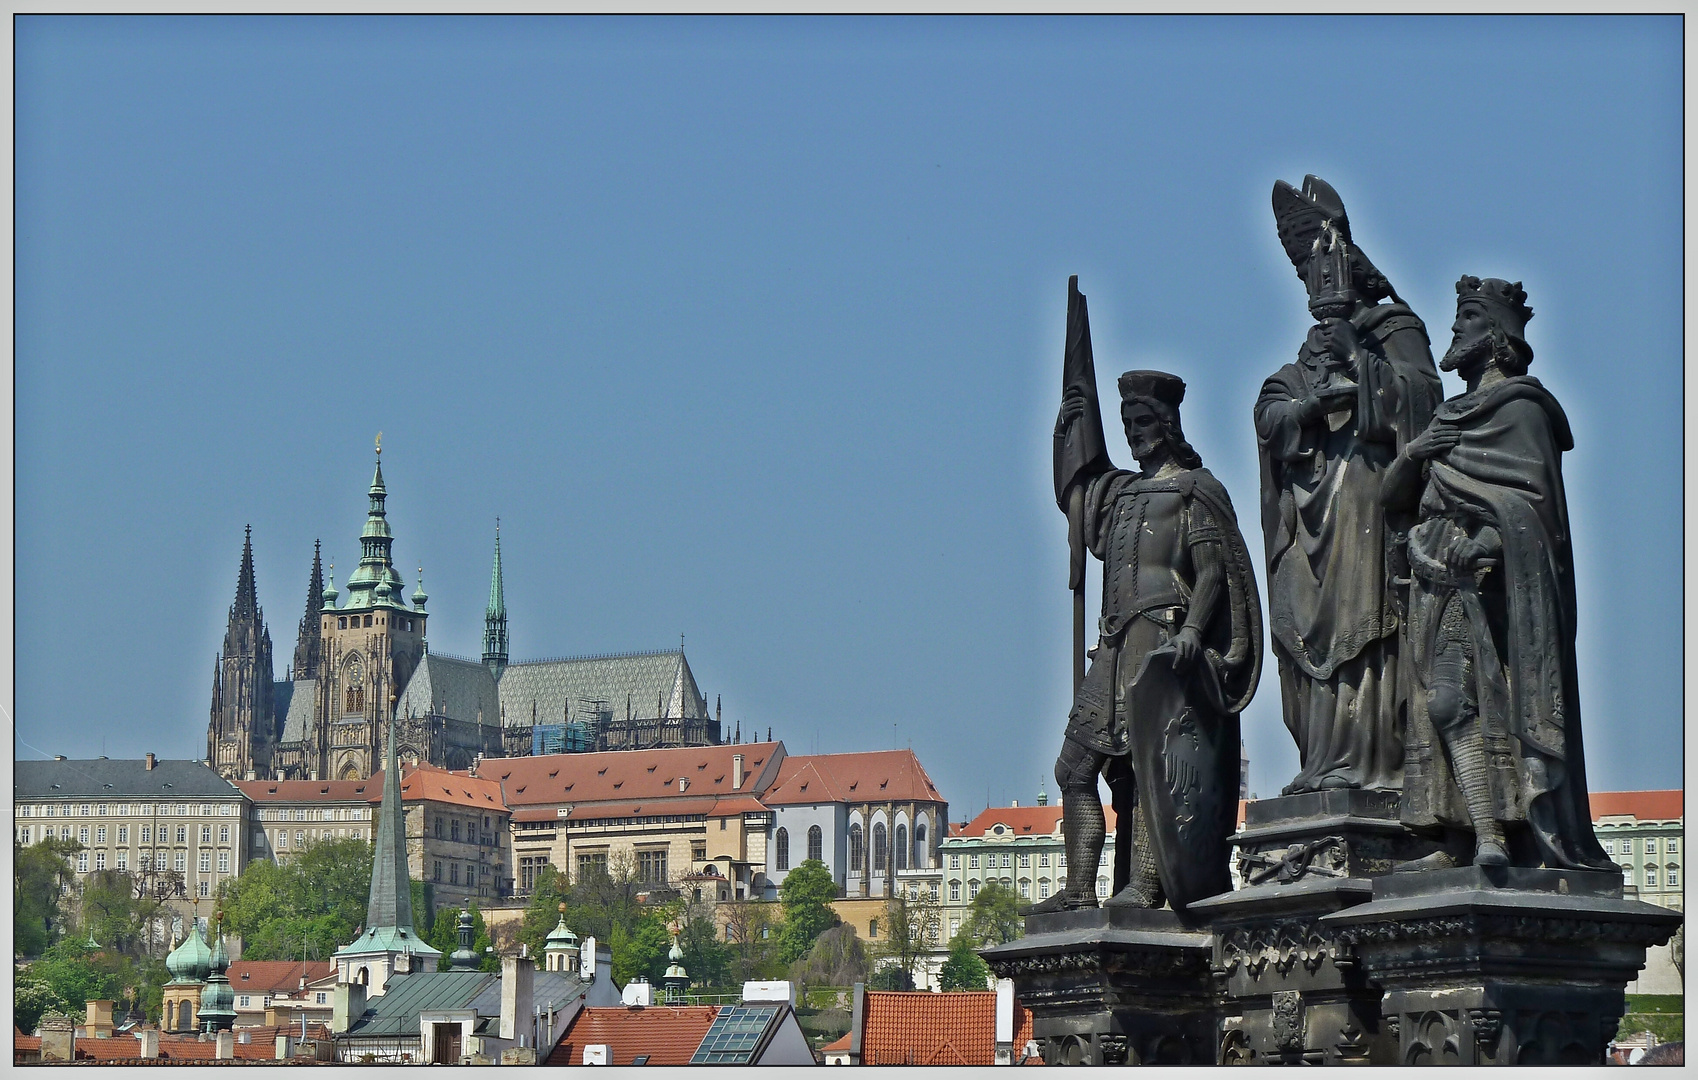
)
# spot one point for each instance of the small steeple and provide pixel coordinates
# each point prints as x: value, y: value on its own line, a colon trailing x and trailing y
x: 463, y: 958
x: 330, y: 593
x: 419, y: 595
x: 391, y: 900
x: 495, y: 615
x: 376, y: 570
x: 307, y: 641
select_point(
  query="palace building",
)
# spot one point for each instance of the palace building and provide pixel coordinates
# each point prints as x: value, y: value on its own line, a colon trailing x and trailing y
x: 361, y: 655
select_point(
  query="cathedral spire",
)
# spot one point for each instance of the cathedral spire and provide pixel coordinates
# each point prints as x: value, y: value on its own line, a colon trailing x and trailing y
x: 375, y: 583
x: 242, y: 725
x: 246, y: 606
x: 307, y: 642
x: 495, y: 615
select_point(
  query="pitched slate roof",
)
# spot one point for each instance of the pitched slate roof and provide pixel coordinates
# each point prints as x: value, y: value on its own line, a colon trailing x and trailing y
x: 920, y: 1028
x: 103, y: 778
x: 629, y: 776
x: 274, y: 976
x: 297, y: 705
x: 558, y: 690
x: 1643, y: 805
x: 549, y: 989
x: 668, y: 1034
x: 453, y: 687
x: 874, y: 776
x: 396, y: 1013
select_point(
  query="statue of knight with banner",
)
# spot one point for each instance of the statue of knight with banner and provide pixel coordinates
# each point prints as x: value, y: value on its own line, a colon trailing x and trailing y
x: 1179, y: 645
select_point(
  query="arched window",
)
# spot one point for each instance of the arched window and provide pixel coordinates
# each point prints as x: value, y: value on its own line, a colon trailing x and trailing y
x: 816, y: 844
x: 783, y: 843
x: 901, y: 847
x: 921, y: 856
x: 857, y: 849
x: 881, y: 848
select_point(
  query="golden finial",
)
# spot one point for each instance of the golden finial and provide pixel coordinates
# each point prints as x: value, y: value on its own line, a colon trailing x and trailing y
x: 380, y: 444
x: 562, y: 907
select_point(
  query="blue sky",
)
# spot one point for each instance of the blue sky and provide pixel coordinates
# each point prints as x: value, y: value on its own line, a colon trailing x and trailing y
x: 752, y: 331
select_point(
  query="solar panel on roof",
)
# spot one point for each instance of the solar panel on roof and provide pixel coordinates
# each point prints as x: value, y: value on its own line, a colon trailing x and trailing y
x: 735, y: 1035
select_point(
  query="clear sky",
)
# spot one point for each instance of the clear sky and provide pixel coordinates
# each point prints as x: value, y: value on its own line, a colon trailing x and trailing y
x: 752, y: 331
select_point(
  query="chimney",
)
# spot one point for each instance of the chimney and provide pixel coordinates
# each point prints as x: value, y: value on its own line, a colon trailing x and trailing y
x: 285, y: 1050
x: 99, y: 1015
x: 857, y: 1021
x: 596, y: 1054
x: 638, y: 993
x: 251, y: 774
x: 736, y: 771
x: 151, y: 762
x: 347, y: 1004
x: 517, y: 973
x: 149, y: 1040
x: 1005, y: 1021
x: 224, y: 1046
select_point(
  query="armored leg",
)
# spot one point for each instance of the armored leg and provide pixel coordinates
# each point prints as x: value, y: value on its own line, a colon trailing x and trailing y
x: 1457, y: 720
x: 1076, y: 773
x: 1143, y: 887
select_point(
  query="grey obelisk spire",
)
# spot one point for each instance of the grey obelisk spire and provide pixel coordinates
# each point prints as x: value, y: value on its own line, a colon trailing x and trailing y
x: 391, y: 902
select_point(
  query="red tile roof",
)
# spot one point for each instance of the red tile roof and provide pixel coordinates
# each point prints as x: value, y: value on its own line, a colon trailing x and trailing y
x: 1021, y: 821
x: 919, y: 1028
x: 262, y: 1047
x: 621, y: 775
x: 427, y: 783
x: 268, y: 791
x: 875, y: 776
x: 647, y: 808
x: 1644, y: 805
x: 668, y: 1034
x: 274, y: 976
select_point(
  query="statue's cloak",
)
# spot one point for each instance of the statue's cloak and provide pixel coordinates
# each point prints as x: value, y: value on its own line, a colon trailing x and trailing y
x: 1506, y: 472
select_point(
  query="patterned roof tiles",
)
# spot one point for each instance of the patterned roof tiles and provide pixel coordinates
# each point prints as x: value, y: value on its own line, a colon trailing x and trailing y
x: 873, y: 776
x: 274, y: 976
x: 632, y: 775
x: 557, y: 690
x: 450, y: 686
x: 668, y: 1034
x: 1643, y: 805
x: 920, y: 1028
x: 268, y: 791
x: 427, y: 783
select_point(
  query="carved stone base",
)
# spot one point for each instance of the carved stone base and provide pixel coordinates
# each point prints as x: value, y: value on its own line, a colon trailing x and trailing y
x: 1291, y: 993
x: 1344, y: 833
x: 1501, y: 966
x: 1114, y: 986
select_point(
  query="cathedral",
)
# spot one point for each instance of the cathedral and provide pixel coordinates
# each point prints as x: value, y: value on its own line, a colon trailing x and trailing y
x: 361, y: 657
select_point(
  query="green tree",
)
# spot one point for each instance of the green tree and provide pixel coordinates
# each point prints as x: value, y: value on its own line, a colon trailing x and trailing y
x: 838, y: 958
x: 750, y: 935
x: 964, y: 969
x: 641, y: 951
x: 542, y: 914
x: 32, y: 999
x: 806, y: 895
x: 994, y: 918
x: 40, y: 874
x: 445, y: 936
x: 706, y: 958
x: 309, y: 906
x: 117, y: 913
x: 75, y: 975
x: 913, y: 931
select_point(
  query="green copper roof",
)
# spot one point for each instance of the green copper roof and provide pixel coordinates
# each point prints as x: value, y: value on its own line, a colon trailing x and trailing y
x: 375, y: 583
x: 495, y: 615
x: 190, y: 961
x: 389, y: 911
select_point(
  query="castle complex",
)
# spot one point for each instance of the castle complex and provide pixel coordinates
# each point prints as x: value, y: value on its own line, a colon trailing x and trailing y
x: 360, y: 657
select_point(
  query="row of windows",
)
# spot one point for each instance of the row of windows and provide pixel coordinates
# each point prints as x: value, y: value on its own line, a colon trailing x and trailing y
x: 302, y: 836
x: 144, y: 834
x: 127, y: 810
x: 454, y: 873
x: 245, y: 1001
x: 816, y: 846
x: 881, y: 848
x: 357, y: 813
x: 1649, y: 876
x: 1672, y: 847
x: 362, y: 621
x: 451, y: 826
x: 1025, y: 859
x: 145, y: 861
x: 1024, y: 885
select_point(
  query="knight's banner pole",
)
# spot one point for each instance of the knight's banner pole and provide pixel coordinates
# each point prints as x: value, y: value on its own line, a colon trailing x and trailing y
x: 1079, y: 454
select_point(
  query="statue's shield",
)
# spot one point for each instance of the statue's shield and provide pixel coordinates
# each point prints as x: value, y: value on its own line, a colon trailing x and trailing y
x: 1181, y: 751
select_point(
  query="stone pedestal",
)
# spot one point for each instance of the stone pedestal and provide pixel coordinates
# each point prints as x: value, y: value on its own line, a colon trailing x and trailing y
x: 1291, y: 993
x: 1501, y: 966
x: 1114, y: 986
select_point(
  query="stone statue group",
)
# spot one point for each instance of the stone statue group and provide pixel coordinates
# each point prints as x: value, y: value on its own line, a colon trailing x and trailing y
x: 1420, y: 589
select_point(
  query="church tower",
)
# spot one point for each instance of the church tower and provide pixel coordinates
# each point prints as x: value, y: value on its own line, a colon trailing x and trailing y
x: 309, y: 644
x: 495, y: 616
x: 370, y: 647
x: 243, y: 726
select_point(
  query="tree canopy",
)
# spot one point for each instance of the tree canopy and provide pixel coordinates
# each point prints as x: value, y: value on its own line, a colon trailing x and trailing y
x: 806, y: 895
x: 307, y: 907
x: 964, y: 969
x: 445, y: 937
x: 994, y: 917
x: 40, y: 873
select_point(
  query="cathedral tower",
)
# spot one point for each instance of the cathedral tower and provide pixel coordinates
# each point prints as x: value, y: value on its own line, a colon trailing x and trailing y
x: 243, y: 726
x: 370, y: 647
x: 309, y: 644
x: 495, y: 616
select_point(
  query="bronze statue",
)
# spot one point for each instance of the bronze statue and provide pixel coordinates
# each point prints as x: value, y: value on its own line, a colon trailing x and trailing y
x: 1328, y: 426
x: 1493, y: 744
x: 1179, y: 647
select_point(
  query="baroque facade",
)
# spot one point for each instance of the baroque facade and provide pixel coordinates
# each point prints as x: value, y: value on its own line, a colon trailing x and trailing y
x: 363, y: 656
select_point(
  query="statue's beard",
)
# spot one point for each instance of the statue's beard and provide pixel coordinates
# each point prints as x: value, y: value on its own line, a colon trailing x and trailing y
x: 1466, y: 351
